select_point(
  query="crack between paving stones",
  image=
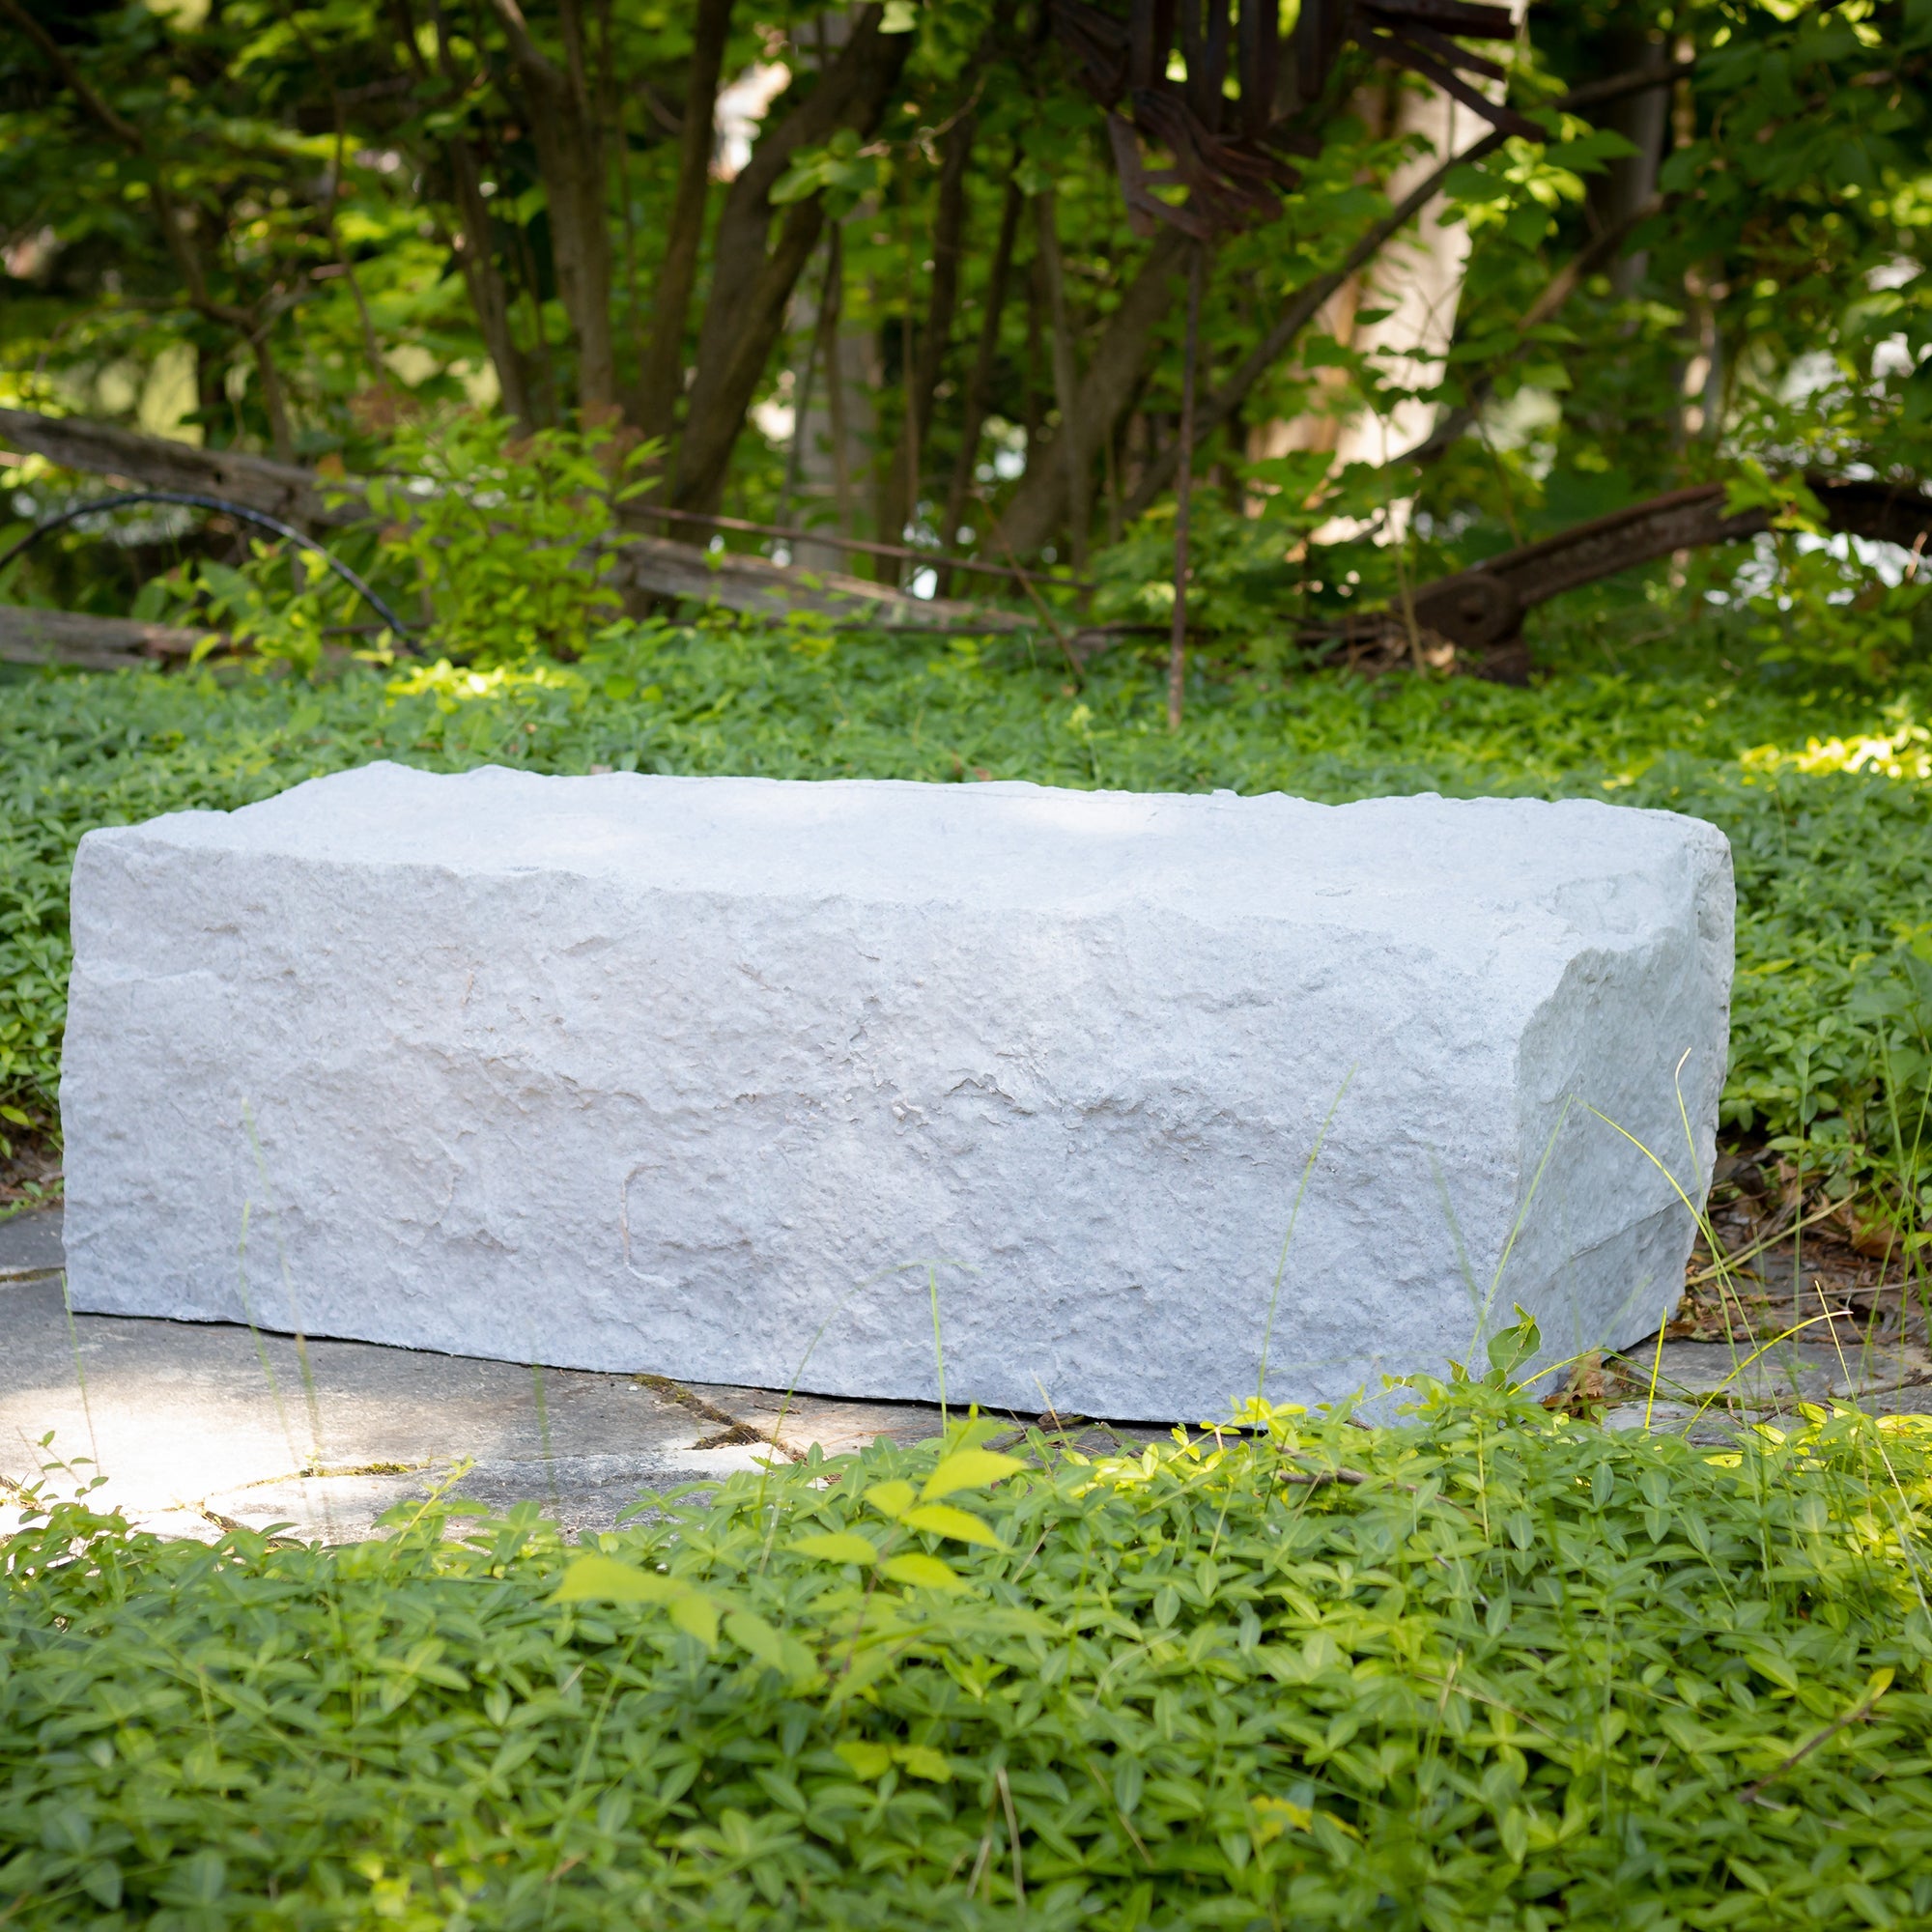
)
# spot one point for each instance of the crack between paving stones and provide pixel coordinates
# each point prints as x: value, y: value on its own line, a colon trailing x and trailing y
x: 735, y: 1430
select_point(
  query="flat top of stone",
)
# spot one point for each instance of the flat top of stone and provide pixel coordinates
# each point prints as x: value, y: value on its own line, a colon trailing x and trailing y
x: 1007, y: 844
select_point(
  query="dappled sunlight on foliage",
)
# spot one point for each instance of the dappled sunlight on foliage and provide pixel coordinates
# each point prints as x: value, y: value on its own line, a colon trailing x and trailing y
x: 1478, y: 1665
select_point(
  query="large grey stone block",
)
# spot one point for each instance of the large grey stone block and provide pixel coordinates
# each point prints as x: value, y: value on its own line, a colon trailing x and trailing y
x: 729, y: 1079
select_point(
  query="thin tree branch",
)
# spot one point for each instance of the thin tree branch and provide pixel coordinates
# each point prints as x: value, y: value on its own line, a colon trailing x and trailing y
x: 1070, y: 444
x: 516, y: 31
x: 929, y: 359
x: 76, y: 82
x: 1307, y: 302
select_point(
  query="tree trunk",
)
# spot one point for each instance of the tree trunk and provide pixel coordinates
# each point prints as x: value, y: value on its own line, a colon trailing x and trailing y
x: 979, y: 391
x: 949, y: 232
x: 280, y: 435
x: 1070, y: 446
x: 661, y: 380
x: 753, y: 275
x: 475, y: 252
x: 1630, y: 183
x: 1040, y: 503
x: 484, y: 280
x: 569, y: 138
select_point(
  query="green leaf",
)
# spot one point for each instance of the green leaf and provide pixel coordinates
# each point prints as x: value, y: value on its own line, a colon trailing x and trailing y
x: 101, y: 1882
x: 774, y: 1648
x: 697, y: 1616
x: 866, y: 1760
x: 604, y: 1579
x: 923, y: 1761
x: 1514, y: 1346
x: 891, y: 1498
x: 837, y: 1546
x: 968, y: 1469
x: 1276, y: 1816
x: 596, y: 1578
x: 943, y: 1519
x: 750, y: 1631
x: 923, y: 1573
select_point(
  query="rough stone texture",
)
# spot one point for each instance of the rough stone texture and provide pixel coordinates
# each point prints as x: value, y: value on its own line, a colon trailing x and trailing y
x: 724, y: 1079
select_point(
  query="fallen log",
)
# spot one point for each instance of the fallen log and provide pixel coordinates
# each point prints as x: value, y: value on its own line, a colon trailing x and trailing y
x: 647, y: 567
x: 1481, y: 610
x: 650, y: 567
x: 30, y: 636
x: 103, y: 449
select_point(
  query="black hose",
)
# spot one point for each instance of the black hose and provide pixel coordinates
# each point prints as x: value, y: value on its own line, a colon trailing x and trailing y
x: 194, y: 501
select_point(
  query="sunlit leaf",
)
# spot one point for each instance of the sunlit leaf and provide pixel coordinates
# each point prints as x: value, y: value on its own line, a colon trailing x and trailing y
x: 1276, y: 1816
x: 837, y: 1546
x: 593, y: 1579
x: 697, y: 1616
x: 943, y: 1519
x: 866, y: 1760
x: 969, y: 1470
x: 923, y: 1573
x: 891, y: 1498
x: 777, y: 1650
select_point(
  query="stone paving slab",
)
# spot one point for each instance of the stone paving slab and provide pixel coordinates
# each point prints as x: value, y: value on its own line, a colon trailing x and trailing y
x: 1709, y: 1388
x: 1787, y: 1371
x: 201, y: 1425
x: 30, y: 1245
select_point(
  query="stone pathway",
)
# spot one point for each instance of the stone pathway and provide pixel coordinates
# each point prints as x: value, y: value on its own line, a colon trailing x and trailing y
x: 198, y: 1427
x: 30, y: 1246
x: 1709, y: 1388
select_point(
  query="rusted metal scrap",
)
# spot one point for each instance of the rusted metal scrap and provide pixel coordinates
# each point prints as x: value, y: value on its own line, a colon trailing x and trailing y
x: 1481, y: 610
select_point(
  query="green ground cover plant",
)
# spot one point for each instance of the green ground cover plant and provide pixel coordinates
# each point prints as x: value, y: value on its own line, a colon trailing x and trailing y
x: 1818, y: 777
x: 1481, y: 1667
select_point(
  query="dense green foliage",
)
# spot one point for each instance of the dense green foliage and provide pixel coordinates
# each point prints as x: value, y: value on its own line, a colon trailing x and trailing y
x: 1832, y: 844
x: 1483, y: 1667
x: 287, y: 227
